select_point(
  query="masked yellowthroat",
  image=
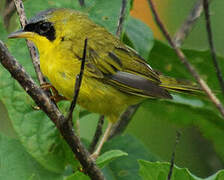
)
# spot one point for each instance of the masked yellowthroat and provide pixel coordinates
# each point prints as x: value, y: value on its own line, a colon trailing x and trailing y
x: 115, y: 76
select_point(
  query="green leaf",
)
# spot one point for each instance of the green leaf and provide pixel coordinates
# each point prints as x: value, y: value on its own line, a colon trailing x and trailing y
x: 126, y: 167
x: 198, y: 111
x: 209, y: 123
x: 36, y: 132
x: 108, y: 17
x: 140, y: 35
x: 77, y: 176
x: 217, y: 176
x: 159, y: 171
x: 109, y: 156
x: 164, y: 59
x: 32, y: 8
x: 16, y: 163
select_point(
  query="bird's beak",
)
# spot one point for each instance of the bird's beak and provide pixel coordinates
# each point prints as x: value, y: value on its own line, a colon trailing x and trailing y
x: 21, y: 34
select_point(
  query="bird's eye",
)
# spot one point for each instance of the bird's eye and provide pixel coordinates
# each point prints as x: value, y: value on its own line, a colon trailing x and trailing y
x: 44, y: 27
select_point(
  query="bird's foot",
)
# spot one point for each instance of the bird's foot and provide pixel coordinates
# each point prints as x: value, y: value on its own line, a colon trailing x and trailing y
x: 56, y: 96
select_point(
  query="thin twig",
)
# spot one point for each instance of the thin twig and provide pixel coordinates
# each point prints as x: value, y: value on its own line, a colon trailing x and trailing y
x: 78, y: 82
x: 185, y: 61
x: 82, y: 3
x: 187, y: 26
x: 8, y: 12
x: 121, y: 18
x: 31, y: 47
x: 125, y: 119
x: 44, y: 102
x: 97, y: 134
x: 173, y: 155
x: 211, y: 44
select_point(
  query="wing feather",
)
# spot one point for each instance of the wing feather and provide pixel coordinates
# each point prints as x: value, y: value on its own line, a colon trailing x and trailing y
x: 125, y: 71
x: 133, y: 84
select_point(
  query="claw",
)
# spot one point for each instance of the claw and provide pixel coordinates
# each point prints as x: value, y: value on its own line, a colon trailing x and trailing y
x: 56, y: 96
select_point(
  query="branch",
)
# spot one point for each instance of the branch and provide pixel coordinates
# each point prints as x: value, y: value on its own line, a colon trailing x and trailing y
x: 78, y: 83
x: 185, y: 61
x: 211, y: 44
x: 8, y: 12
x: 31, y: 47
x: 173, y: 156
x: 97, y: 134
x: 125, y: 119
x: 187, y: 26
x: 44, y: 102
x: 121, y: 18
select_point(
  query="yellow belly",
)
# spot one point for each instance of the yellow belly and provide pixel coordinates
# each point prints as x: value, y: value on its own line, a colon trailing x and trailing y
x: 94, y: 95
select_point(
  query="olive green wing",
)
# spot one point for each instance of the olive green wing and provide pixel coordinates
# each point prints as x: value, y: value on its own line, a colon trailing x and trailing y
x: 137, y: 85
x: 135, y: 64
x: 125, y: 70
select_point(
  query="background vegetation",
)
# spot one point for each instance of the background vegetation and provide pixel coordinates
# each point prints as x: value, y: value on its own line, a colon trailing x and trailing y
x: 31, y: 146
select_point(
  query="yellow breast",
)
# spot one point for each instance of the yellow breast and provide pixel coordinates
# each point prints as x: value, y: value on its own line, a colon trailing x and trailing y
x: 94, y: 95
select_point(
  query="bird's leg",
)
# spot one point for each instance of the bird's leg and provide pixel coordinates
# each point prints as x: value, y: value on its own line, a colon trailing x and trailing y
x: 56, y: 96
x: 102, y: 141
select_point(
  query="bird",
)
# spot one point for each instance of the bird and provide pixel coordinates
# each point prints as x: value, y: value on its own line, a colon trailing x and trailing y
x: 115, y: 76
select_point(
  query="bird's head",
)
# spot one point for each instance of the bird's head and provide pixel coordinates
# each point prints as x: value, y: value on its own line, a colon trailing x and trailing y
x: 49, y: 27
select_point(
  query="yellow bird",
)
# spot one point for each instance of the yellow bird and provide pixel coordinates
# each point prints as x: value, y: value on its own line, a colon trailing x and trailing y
x: 115, y: 76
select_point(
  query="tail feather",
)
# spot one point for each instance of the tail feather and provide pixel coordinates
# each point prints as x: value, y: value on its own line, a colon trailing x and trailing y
x: 180, y: 86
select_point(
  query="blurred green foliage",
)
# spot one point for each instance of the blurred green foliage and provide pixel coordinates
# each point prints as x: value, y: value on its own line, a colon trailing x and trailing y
x: 16, y: 163
x: 176, y: 12
x: 155, y: 121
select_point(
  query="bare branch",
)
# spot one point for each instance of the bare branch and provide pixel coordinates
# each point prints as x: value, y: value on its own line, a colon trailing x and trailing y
x: 97, y: 134
x: 78, y: 83
x: 32, y: 48
x: 8, y: 12
x: 173, y: 156
x: 121, y: 18
x: 211, y: 44
x: 125, y: 119
x: 187, y: 26
x: 44, y: 102
x: 185, y: 61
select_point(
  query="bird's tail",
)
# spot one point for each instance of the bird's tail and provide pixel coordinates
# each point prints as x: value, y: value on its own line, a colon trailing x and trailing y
x: 180, y: 86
